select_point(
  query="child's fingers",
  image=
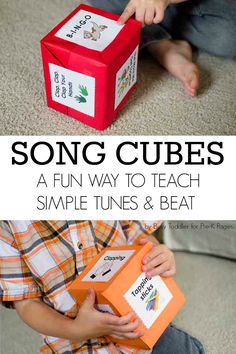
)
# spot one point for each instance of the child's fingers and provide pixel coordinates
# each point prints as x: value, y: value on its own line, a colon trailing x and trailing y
x: 133, y: 335
x: 123, y: 320
x: 155, y: 251
x: 169, y: 273
x: 117, y: 335
x: 118, y: 321
x: 156, y: 261
x: 128, y: 335
x: 149, y: 15
x: 89, y: 300
x: 127, y: 13
x: 140, y: 14
x: 159, y: 14
x: 130, y: 327
x: 162, y: 268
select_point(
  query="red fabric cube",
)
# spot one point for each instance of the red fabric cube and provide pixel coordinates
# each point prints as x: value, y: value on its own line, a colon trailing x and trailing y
x: 90, y: 65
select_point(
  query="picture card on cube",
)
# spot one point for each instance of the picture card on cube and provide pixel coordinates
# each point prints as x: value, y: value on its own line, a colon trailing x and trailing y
x: 90, y: 65
x: 121, y: 287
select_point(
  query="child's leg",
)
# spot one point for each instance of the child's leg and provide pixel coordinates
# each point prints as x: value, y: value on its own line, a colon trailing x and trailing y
x: 209, y: 25
x: 175, y: 341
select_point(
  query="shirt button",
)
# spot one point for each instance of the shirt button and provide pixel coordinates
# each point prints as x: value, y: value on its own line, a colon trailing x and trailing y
x: 80, y: 246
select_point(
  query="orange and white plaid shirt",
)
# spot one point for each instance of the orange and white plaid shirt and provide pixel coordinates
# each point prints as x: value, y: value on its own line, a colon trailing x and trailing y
x: 41, y: 258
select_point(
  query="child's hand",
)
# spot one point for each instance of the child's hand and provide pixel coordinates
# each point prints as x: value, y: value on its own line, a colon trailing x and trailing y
x: 91, y: 323
x: 146, y: 11
x: 159, y: 261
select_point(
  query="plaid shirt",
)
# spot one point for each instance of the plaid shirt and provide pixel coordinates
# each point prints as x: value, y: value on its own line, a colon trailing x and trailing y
x: 41, y: 258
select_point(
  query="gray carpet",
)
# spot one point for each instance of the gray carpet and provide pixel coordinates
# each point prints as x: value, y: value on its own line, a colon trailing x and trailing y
x: 158, y: 106
x: 209, y: 284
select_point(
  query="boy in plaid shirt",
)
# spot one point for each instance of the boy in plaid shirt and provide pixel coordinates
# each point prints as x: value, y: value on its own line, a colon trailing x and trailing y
x: 39, y: 259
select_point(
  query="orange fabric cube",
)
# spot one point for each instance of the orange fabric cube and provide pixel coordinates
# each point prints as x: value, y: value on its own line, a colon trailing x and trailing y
x: 121, y: 287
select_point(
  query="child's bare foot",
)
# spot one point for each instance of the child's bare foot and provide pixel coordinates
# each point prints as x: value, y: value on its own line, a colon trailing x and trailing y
x: 176, y: 57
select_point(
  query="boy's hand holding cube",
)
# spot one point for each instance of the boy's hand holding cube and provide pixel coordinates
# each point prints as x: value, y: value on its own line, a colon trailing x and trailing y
x: 159, y: 261
x: 91, y: 323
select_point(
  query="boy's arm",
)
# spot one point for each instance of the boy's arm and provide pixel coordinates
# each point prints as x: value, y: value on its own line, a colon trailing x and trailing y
x: 89, y: 323
x: 146, y: 11
x: 44, y: 319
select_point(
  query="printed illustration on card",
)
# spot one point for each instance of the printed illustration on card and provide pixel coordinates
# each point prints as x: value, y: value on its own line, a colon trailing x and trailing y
x: 90, y: 30
x: 73, y: 89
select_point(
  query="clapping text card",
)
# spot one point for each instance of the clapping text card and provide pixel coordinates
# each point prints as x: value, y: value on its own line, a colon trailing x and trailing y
x: 90, y: 65
x: 121, y: 286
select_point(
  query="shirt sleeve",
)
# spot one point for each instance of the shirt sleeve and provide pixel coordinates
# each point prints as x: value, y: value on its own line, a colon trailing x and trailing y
x: 137, y: 229
x: 16, y: 280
